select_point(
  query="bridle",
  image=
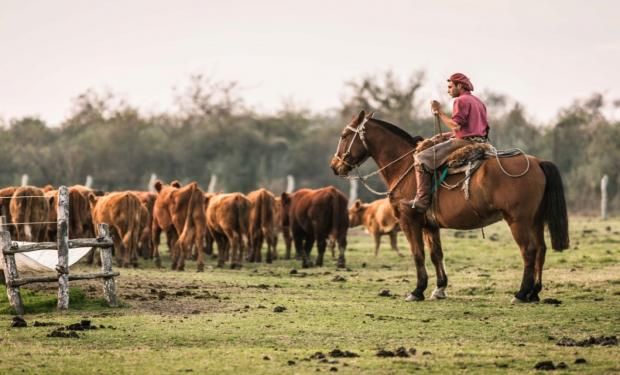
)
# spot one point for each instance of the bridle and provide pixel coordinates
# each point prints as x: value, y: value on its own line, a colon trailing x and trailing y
x: 361, y: 132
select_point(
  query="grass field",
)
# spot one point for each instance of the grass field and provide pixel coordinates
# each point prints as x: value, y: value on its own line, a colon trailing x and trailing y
x: 223, y: 321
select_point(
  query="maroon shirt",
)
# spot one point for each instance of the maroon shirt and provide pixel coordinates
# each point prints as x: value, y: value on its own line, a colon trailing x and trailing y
x: 471, y: 114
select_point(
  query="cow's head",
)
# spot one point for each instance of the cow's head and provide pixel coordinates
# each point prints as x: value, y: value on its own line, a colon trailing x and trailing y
x: 356, y: 213
x: 92, y: 200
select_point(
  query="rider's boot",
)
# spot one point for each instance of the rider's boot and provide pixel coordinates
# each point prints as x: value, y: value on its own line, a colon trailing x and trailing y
x: 422, y: 200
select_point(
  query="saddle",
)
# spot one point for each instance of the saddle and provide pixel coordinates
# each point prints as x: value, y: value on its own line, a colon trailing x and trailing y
x: 460, y: 157
x: 466, y: 159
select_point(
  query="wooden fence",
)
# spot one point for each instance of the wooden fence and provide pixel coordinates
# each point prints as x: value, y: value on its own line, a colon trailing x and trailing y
x: 62, y: 245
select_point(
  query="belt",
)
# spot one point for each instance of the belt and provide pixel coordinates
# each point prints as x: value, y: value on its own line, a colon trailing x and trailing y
x: 477, y: 138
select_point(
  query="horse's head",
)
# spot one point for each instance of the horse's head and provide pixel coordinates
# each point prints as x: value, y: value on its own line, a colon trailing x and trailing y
x: 352, y: 150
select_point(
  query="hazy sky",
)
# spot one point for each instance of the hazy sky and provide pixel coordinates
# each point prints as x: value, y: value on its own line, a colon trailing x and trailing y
x: 542, y: 53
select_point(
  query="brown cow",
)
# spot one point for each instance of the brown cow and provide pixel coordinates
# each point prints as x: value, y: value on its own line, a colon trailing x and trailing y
x: 29, y: 205
x: 121, y: 211
x: 262, y: 225
x: 180, y: 213
x: 227, y: 219
x: 378, y: 219
x: 208, y: 236
x: 285, y: 230
x: 52, y: 215
x: 80, y: 216
x: 315, y: 215
x: 5, y: 207
x: 146, y: 242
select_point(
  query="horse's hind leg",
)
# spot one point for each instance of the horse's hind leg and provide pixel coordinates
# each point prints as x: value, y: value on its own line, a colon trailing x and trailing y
x: 541, y: 250
x: 523, y: 236
x: 433, y: 242
x: 413, y: 231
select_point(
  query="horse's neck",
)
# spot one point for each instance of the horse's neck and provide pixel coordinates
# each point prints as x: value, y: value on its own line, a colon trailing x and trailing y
x: 385, y: 148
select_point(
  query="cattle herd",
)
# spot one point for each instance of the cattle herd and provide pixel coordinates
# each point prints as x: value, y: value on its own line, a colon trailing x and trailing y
x: 193, y: 221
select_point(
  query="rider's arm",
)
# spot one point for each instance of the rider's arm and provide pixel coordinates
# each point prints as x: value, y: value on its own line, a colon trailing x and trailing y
x: 448, y: 121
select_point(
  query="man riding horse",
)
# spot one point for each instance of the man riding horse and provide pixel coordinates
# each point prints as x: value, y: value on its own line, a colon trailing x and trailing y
x: 468, y: 124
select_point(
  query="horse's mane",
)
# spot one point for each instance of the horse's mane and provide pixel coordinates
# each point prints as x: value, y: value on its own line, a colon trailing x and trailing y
x: 400, y: 132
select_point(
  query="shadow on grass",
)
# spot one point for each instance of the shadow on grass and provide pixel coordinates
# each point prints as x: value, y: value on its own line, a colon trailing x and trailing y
x: 37, y: 302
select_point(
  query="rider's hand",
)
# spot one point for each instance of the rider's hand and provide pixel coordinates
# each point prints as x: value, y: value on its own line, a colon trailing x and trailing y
x: 435, y: 107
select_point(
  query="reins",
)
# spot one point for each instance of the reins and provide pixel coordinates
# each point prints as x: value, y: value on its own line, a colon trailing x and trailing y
x: 361, y: 131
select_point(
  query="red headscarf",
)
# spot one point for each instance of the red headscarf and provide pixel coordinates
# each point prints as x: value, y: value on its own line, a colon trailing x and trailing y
x: 462, y: 79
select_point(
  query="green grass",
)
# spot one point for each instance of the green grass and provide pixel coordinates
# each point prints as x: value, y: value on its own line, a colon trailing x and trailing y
x: 232, y: 329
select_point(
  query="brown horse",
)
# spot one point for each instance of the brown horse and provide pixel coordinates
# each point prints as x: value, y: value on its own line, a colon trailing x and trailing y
x: 526, y: 203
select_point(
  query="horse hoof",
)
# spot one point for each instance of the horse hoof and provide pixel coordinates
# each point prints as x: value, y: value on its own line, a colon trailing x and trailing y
x: 439, y: 293
x: 413, y: 298
x: 516, y: 300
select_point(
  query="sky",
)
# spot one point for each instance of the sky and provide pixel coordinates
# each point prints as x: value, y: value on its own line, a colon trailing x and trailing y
x: 543, y: 54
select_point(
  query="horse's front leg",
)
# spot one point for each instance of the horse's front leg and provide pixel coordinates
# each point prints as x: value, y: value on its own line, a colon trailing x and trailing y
x: 413, y: 231
x: 433, y: 242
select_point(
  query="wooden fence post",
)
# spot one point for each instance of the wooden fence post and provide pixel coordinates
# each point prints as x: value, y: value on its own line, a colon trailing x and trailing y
x: 604, y: 182
x: 353, y: 188
x: 10, y: 272
x: 109, y: 285
x: 63, y: 248
x: 212, y: 183
x: 290, y: 183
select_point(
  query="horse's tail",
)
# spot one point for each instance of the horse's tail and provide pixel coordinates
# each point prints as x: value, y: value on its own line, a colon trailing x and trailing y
x: 553, y: 206
x: 340, y: 220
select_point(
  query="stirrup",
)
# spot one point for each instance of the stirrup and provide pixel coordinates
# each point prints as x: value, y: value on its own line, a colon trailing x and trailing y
x: 411, y: 203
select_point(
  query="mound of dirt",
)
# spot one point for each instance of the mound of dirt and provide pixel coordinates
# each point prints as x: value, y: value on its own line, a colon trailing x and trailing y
x: 590, y: 341
x: 544, y: 366
x: 18, y: 322
x: 385, y: 353
x: 60, y: 332
x: 337, y: 353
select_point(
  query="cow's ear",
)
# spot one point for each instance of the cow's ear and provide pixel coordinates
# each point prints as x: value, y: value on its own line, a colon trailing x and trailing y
x: 51, y: 199
x: 358, y: 203
x: 158, y: 185
x: 175, y: 184
x: 92, y: 198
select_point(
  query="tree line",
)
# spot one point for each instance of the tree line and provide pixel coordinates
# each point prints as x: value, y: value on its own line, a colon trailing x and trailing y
x: 212, y: 131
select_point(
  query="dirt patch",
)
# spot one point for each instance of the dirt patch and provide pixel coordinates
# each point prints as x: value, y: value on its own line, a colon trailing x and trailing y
x: 156, y: 294
x: 45, y: 324
x: 18, y: 322
x: 400, y: 352
x: 59, y: 332
x: 590, y: 341
x: 279, y: 309
x: 544, y: 366
x: 385, y: 293
x: 337, y: 353
x: 551, y: 301
x: 70, y: 330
